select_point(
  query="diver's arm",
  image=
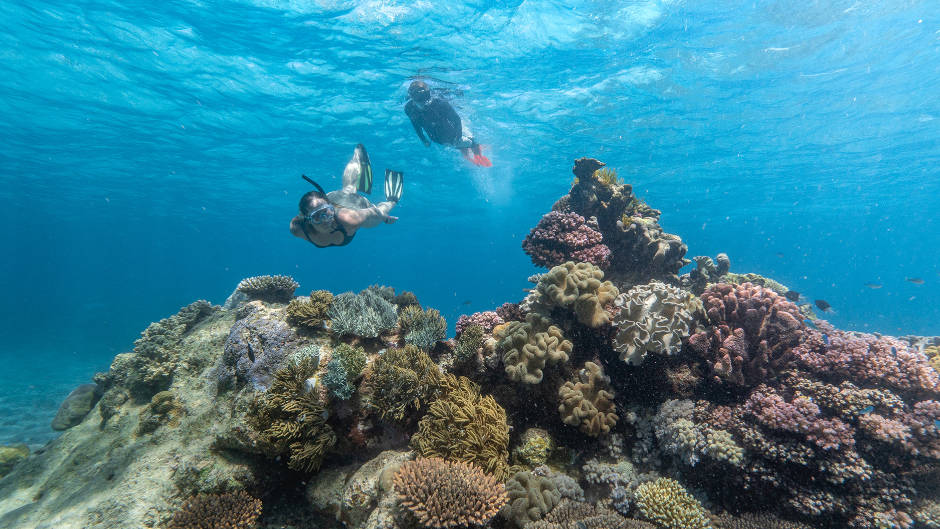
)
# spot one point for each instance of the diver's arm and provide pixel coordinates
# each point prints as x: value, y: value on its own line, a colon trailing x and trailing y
x: 369, y: 217
x: 414, y: 123
x: 451, y: 116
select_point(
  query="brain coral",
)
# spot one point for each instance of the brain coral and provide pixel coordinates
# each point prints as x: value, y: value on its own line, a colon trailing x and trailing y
x: 527, y: 346
x: 561, y: 237
x: 588, y: 402
x: 653, y: 318
x: 531, y: 497
x: 275, y: 289
x: 579, y: 287
x: 666, y: 503
x: 445, y: 494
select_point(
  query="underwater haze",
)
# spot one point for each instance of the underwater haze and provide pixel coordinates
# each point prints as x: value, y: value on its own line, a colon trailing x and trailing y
x: 151, y: 153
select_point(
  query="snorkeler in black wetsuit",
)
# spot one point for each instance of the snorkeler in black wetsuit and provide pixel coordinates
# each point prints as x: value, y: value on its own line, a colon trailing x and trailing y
x: 332, y: 219
x: 436, y: 118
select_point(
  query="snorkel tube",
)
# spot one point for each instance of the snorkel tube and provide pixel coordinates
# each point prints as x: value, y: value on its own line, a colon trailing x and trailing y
x: 314, y: 184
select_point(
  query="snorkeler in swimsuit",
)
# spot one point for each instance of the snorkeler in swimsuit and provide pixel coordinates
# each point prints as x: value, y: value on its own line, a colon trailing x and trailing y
x: 332, y: 219
x: 436, y: 120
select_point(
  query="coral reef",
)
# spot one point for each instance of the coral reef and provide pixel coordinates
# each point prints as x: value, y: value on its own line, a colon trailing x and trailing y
x: 291, y: 420
x: 230, y: 510
x: 401, y: 381
x: 422, y: 328
x: 311, y: 312
x: 653, y: 318
x: 468, y: 343
x: 587, y: 401
x: 366, y: 314
x: 343, y: 369
x: 445, y: 494
x: 561, y: 237
x: 752, y: 334
x: 257, y: 346
x: 462, y: 425
x: 273, y: 289
x: 531, y: 497
x: 534, y: 447
x: 527, y: 347
x: 666, y: 503
x: 164, y: 408
x: 487, y: 320
x: 578, y: 286
x: 755, y: 521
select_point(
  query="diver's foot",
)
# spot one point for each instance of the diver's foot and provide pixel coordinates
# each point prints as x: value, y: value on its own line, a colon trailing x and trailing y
x: 481, y: 161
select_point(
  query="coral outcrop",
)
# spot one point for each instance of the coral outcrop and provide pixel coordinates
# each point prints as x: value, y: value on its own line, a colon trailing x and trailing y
x: 587, y: 401
x: 443, y: 494
x: 258, y: 344
x: 273, y: 289
x: 578, y: 286
x: 527, y: 347
x: 561, y: 237
x: 653, y: 318
x: 401, y: 381
x: 76, y: 406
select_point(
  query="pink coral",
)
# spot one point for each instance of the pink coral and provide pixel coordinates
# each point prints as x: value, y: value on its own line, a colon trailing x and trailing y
x: 486, y: 319
x: 801, y: 416
x: 561, y: 237
x: 510, y: 312
x: 879, y: 360
x: 752, y: 333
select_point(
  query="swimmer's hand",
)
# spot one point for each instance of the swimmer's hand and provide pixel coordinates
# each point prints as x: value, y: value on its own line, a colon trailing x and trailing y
x: 390, y: 219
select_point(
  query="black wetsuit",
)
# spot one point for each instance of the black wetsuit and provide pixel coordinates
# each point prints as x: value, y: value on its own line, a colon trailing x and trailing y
x: 347, y: 238
x: 438, y: 119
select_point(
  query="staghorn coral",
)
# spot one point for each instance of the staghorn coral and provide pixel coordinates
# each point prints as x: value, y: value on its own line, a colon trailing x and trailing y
x: 561, y: 237
x: 666, y: 503
x: 149, y: 368
x: 531, y: 497
x: 401, y: 380
x: 230, y: 510
x: 422, y: 328
x: 445, y: 494
x: 366, y: 314
x: 752, y: 334
x: 462, y: 425
x: 587, y: 402
x: 653, y: 318
x: 310, y: 313
x: 578, y: 286
x: 273, y: 289
x: 526, y: 347
x: 290, y: 419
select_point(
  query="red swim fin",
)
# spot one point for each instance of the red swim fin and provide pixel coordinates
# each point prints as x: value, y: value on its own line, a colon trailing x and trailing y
x: 482, y: 161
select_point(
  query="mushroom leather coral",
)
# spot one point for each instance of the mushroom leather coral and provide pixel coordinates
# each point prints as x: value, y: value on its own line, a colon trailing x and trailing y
x: 578, y: 286
x: 653, y: 318
x: 587, y: 402
x: 528, y: 346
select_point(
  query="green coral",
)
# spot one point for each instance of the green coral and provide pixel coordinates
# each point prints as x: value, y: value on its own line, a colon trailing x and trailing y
x: 400, y: 381
x: 462, y: 425
x: 343, y: 369
x: 528, y: 346
x: 273, y: 289
x: 422, y: 328
x: 405, y: 299
x: 469, y: 342
x: 311, y: 312
x: 366, y: 314
x: 666, y: 503
x: 291, y: 421
x: 588, y: 401
x: 578, y: 286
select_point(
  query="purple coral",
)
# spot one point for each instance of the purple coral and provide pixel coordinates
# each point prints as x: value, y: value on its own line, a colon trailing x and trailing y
x: 801, y: 416
x: 486, y: 319
x: 561, y: 237
x: 754, y: 330
x: 254, y: 350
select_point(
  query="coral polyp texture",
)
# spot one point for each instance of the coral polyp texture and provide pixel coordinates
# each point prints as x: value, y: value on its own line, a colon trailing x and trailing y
x: 527, y: 347
x: 587, y: 401
x: 561, y: 237
x: 311, y: 312
x: 666, y: 503
x: 487, y: 320
x: 653, y: 318
x: 273, y: 289
x: 230, y: 510
x: 444, y: 494
x: 400, y: 382
x: 422, y: 328
x: 578, y: 287
x: 366, y: 314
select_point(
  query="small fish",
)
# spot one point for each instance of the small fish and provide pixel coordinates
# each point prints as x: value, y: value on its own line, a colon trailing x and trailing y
x: 823, y: 305
x: 873, y: 286
x: 467, y: 302
x: 825, y: 338
x: 780, y: 255
x: 915, y: 280
x: 792, y: 295
x: 810, y: 323
x: 866, y: 410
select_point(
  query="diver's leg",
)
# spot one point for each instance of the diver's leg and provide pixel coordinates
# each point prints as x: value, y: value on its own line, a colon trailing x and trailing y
x: 351, y: 174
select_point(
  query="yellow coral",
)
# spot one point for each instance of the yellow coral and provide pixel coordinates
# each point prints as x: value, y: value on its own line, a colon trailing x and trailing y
x: 666, y: 503
x: 588, y: 401
x: 720, y: 445
x: 608, y: 177
x: 578, y: 286
x: 310, y: 313
x: 401, y: 380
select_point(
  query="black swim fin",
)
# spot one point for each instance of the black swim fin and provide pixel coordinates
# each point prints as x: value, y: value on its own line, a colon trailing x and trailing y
x: 365, y: 170
x: 394, y: 183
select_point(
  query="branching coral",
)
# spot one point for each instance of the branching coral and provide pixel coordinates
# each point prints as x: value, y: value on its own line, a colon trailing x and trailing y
x: 578, y: 287
x: 444, y: 494
x: 561, y: 237
x: 401, y: 380
x: 653, y: 318
x: 311, y: 312
x: 666, y: 503
x: 422, y: 328
x: 531, y: 497
x: 273, y: 289
x: 291, y: 420
x: 462, y: 425
x: 230, y: 510
x: 528, y: 346
x: 366, y: 314
x: 587, y: 402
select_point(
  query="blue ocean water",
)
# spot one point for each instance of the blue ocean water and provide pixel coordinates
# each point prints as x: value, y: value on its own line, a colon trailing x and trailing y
x: 150, y: 153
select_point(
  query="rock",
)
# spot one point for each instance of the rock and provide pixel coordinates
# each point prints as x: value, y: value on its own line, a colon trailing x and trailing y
x: 10, y: 455
x: 75, y: 407
x: 366, y: 491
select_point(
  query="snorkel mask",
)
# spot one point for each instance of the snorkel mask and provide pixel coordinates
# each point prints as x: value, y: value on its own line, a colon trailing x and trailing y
x: 321, y: 215
x: 419, y: 93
